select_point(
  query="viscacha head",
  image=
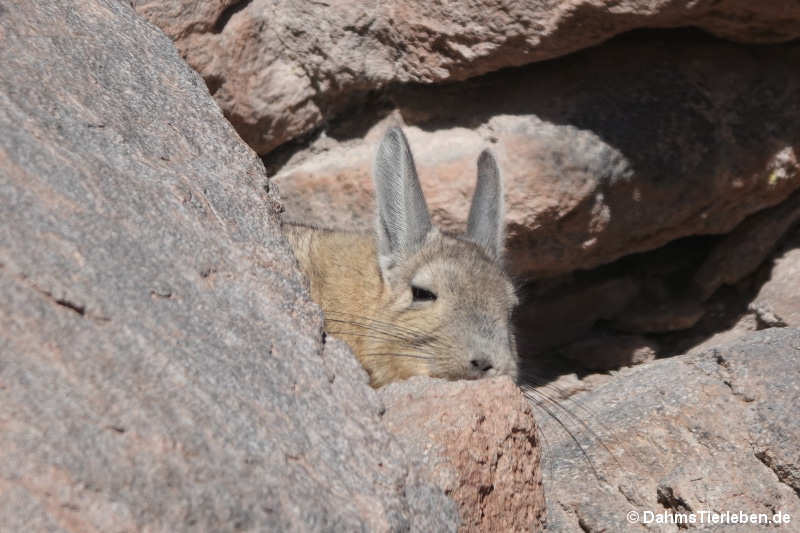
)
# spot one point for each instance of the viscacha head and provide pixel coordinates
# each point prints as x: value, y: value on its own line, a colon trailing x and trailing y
x: 446, y: 302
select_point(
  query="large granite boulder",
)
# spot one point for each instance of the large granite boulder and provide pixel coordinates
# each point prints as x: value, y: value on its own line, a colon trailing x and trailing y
x: 161, y: 365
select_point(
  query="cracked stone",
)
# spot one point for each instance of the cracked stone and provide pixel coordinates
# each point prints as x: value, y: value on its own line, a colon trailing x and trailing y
x: 675, y: 431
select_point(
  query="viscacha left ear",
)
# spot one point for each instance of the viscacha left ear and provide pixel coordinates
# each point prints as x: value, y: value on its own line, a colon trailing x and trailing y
x: 403, y: 222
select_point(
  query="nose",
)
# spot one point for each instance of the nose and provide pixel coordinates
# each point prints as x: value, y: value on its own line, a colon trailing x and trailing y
x: 481, y: 364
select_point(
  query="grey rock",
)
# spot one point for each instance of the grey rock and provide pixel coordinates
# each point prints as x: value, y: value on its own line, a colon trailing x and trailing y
x: 715, y: 431
x: 161, y: 365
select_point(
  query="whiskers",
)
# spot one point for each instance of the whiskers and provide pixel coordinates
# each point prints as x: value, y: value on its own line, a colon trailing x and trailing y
x: 549, y: 399
x: 403, y: 339
x: 398, y: 354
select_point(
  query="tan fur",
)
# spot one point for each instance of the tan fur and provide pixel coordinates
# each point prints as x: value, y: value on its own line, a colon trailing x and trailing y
x: 394, y: 337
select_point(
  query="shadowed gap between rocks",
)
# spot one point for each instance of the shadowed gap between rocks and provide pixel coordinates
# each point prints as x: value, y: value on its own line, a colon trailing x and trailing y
x: 594, y: 340
x: 227, y: 14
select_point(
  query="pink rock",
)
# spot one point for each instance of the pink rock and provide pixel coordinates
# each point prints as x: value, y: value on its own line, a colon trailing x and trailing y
x: 479, y: 440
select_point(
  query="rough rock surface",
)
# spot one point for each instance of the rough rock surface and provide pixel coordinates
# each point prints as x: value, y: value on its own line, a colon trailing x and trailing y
x: 279, y: 70
x: 161, y: 365
x: 714, y: 431
x: 611, y: 151
x: 478, y: 440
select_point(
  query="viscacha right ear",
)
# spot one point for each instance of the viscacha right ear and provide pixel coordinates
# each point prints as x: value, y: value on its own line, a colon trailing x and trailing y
x: 403, y: 221
x: 485, y: 225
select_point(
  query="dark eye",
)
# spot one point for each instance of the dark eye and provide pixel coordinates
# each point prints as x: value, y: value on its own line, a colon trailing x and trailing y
x: 422, y: 295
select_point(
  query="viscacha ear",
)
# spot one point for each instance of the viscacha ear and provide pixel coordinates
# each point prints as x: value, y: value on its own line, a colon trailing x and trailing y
x: 485, y: 225
x: 403, y: 221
